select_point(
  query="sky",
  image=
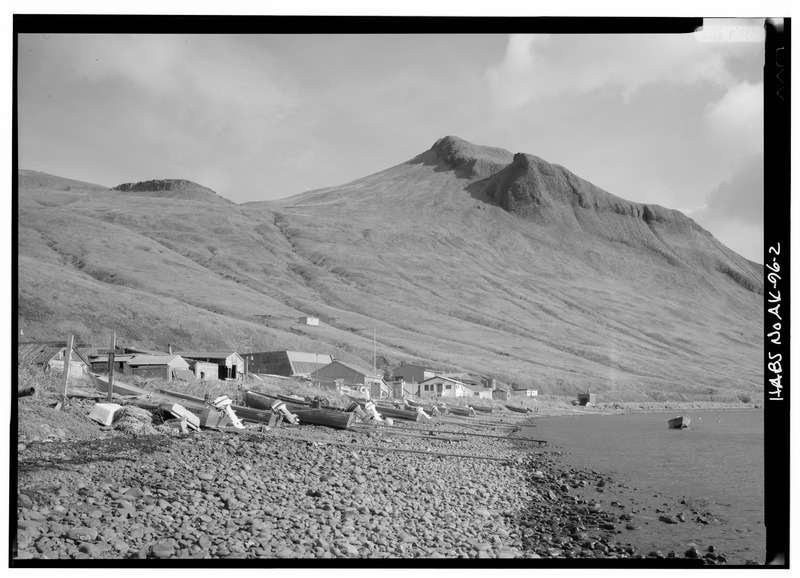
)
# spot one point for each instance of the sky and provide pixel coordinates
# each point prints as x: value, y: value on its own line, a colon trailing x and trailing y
x: 673, y: 120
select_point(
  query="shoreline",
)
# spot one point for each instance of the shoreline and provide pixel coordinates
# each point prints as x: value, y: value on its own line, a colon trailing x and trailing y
x: 670, y: 514
x: 545, y: 411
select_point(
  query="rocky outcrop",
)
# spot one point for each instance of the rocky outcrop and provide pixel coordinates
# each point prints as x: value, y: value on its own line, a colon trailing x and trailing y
x: 173, y: 189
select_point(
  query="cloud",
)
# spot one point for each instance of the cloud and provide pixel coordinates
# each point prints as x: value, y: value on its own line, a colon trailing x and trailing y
x: 736, y: 121
x: 740, y: 198
x: 536, y: 67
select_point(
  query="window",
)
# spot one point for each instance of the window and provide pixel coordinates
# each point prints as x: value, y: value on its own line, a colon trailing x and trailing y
x: 448, y: 386
x: 427, y: 387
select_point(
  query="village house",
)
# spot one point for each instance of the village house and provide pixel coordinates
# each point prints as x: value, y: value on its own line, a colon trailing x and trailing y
x: 309, y: 320
x: 414, y: 373
x: 440, y: 386
x: 211, y: 365
x: 161, y: 366
x: 50, y: 355
x: 350, y: 375
x: 477, y: 390
x: 524, y: 390
x: 286, y: 363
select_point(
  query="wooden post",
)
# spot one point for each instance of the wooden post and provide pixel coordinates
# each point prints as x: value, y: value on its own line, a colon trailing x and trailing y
x: 109, y: 399
x: 65, y: 371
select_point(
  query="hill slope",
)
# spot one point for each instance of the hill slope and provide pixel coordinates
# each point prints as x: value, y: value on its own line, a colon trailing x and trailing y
x: 467, y: 257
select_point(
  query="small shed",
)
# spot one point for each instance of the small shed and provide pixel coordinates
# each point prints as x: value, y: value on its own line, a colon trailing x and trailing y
x: 156, y: 366
x: 228, y: 365
x: 50, y: 355
x: 587, y: 398
x: 401, y: 389
x: 309, y: 320
x: 99, y: 362
x: 500, y: 394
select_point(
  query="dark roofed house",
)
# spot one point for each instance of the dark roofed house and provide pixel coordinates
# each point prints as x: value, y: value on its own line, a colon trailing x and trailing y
x: 287, y: 363
x: 230, y: 365
x: 351, y: 375
x: 156, y: 366
x: 415, y: 373
x: 50, y: 355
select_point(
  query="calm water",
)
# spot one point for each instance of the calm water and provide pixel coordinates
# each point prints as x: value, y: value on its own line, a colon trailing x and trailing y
x: 718, y: 461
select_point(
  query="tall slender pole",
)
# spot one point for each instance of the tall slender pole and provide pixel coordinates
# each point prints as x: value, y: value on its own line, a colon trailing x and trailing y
x: 65, y: 371
x: 111, y: 367
x: 374, y: 353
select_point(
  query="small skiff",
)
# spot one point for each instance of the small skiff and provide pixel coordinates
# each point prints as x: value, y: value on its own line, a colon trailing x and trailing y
x: 326, y: 417
x: 518, y: 409
x: 120, y: 387
x: 679, y: 422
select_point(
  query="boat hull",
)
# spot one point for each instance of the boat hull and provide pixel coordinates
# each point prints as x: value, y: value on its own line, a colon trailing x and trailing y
x: 325, y: 417
x: 680, y: 422
x: 518, y: 409
x: 120, y: 387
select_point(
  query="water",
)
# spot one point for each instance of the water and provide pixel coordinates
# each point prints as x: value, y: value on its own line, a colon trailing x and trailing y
x: 717, y: 465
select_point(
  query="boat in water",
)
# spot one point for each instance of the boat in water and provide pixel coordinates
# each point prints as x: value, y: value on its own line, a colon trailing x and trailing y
x: 679, y: 422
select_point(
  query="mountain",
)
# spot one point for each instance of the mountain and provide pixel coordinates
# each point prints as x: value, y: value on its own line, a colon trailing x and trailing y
x: 467, y: 257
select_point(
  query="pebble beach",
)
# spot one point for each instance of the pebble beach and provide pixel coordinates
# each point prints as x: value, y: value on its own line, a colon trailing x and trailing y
x: 441, y: 489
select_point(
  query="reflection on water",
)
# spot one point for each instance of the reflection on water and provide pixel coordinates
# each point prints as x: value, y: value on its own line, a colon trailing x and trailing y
x: 719, y: 460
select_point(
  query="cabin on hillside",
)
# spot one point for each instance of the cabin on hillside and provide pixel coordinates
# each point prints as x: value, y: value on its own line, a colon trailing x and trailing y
x: 161, y: 366
x: 210, y: 365
x: 287, y: 363
x: 350, y: 375
x: 50, y: 356
x: 525, y: 390
x: 309, y: 320
x: 414, y: 373
x: 587, y: 399
x: 440, y: 386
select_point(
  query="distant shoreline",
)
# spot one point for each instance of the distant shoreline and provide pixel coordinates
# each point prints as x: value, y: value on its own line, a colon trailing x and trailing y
x: 686, y: 407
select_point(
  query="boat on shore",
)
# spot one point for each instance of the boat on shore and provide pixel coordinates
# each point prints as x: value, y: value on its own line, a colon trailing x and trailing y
x: 316, y: 416
x: 459, y: 410
x: 482, y: 409
x: 519, y: 409
x: 679, y: 422
x: 120, y: 387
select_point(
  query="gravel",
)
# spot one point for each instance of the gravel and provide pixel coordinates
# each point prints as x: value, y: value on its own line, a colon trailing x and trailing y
x: 314, y: 492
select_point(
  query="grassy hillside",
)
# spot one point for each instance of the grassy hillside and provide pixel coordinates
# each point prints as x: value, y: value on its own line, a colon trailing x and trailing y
x: 465, y: 257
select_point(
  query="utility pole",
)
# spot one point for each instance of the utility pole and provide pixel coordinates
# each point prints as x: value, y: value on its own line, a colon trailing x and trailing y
x: 109, y: 399
x: 65, y: 371
x: 374, y: 352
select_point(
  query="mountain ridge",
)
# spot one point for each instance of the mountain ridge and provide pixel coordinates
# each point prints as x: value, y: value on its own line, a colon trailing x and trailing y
x: 425, y: 253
